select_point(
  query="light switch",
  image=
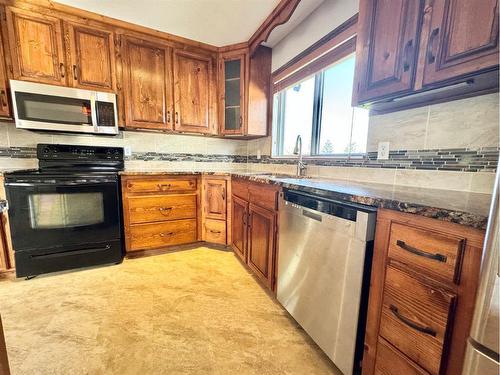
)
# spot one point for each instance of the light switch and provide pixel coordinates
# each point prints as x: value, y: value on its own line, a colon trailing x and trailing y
x: 258, y: 154
x: 127, y: 151
x: 383, y: 150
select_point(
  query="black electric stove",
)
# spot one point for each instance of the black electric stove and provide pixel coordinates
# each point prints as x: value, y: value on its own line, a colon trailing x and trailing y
x: 66, y: 214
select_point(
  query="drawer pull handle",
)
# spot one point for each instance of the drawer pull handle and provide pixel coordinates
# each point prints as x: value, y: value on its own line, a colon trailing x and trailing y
x: 410, y: 323
x: 431, y: 58
x: 167, y: 234
x: 414, y: 250
x: 164, y: 186
x: 215, y: 231
x: 165, y: 210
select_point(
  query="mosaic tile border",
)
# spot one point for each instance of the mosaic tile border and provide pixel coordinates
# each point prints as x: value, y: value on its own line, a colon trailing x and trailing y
x: 465, y: 160
x: 460, y: 159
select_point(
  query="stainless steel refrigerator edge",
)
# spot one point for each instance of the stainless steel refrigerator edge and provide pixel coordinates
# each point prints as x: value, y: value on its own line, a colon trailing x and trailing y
x: 320, y: 274
x: 482, y: 356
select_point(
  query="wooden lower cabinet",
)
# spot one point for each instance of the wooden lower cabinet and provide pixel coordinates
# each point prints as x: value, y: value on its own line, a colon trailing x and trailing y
x: 239, y: 227
x: 4, y: 254
x: 254, y: 228
x: 423, y: 284
x: 160, y: 211
x: 261, y: 243
x: 216, y: 212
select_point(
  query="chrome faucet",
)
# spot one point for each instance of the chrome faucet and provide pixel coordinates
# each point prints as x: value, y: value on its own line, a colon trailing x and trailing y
x: 298, y: 151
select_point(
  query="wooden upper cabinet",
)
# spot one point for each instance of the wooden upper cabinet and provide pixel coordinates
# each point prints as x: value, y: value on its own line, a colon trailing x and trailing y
x: 193, y: 83
x: 36, y: 45
x: 258, y: 92
x: 460, y: 37
x: 232, y: 85
x: 147, y: 84
x: 4, y: 102
x: 214, y: 193
x: 387, y: 45
x: 91, y: 57
x: 261, y: 238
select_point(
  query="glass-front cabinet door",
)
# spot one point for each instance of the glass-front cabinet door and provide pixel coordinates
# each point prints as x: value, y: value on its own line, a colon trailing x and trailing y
x: 232, y: 93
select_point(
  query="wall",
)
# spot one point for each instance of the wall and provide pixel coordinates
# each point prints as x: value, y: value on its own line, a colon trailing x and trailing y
x: 453, y: 146
x: 320, y: 22
x: 149, y: 150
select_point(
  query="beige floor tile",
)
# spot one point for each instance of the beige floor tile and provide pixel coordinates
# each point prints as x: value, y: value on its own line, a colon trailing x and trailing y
x: 191, y: 312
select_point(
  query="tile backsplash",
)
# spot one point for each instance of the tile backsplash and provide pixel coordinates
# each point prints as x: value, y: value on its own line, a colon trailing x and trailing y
x: 453, y: 145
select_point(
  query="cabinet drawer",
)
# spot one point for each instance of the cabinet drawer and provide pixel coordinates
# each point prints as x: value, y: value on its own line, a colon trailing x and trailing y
x: 150, y: 236
x: 161, y: 208
x: 430, y: 252
x: 161, y: 185
x: 264, y: 196
x: 215, y: 231
x: 415, y: 318
x: 391, y: 362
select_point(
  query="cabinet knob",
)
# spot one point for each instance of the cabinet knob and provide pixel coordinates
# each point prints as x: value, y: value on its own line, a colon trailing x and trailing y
x: 75, y: 73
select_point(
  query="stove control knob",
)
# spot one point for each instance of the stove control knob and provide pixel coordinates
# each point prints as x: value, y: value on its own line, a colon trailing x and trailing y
x: 46, y: 150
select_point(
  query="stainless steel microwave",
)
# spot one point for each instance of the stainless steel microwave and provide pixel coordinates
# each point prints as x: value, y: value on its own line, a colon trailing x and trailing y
x: 47, y: 107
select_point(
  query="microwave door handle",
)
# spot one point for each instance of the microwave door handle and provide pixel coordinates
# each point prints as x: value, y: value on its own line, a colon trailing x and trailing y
x: 93, y: 108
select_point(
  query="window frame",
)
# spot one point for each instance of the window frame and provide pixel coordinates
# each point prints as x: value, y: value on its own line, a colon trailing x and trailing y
x: 332, y: 48
x: 316, y: 123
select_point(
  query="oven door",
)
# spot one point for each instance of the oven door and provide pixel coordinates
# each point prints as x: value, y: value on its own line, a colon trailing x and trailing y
x: 62, y: 214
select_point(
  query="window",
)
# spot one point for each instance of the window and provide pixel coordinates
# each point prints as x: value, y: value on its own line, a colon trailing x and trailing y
x: 319, y: 109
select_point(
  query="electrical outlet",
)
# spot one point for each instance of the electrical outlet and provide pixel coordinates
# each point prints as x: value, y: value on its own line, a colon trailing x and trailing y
x: 127, y: 151
x: 383, y: 150
x: 258, y: 154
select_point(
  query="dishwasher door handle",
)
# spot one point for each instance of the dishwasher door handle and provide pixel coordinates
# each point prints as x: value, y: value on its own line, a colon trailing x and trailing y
x: 312, y: 215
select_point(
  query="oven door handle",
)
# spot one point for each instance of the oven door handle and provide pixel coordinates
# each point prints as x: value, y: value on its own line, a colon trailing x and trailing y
x: 72, y: 252
x: 35, y: 184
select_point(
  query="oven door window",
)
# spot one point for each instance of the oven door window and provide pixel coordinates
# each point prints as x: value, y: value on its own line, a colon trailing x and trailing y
x: 53, y: 109
x: 49, y: 211
x: 49, y: 215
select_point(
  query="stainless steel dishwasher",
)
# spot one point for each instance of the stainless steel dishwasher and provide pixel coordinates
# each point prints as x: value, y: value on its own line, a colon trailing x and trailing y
x: 324, y: 263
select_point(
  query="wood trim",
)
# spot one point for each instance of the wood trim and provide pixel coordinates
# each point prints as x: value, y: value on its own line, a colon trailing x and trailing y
x: 333, y: 39
x: 6, y: 229
x: 344, y: 50
x: 280, y: 15
x: 4, y: 361
x: 51, y: 6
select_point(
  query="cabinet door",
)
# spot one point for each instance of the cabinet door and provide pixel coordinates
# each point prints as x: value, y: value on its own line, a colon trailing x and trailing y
x: 232, y: 90
x: 460, y: 37
x: 386, y: 48
x: 193, y: 79
x: 261, y: 243
x: 4, y: 255
x: 214, y: 196
x: 36, y: 46
x: 147, y: 85
x: 239, y: 226
x: 91, y: 57
x: 4, y: 103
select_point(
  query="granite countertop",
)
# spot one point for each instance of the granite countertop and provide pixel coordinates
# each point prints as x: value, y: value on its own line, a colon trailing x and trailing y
x: 465, y: 208
x: 164, y: 173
